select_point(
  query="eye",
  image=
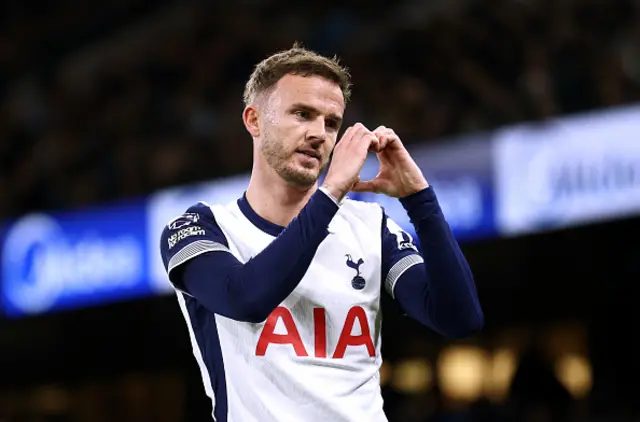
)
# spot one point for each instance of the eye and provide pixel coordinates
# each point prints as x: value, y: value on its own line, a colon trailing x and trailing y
x: 303, y: 114
x: 332, y: 124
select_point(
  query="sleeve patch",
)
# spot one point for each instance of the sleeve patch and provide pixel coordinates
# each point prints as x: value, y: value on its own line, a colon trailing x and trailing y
x: 189, y: 235
x: 183, y: 220
x: 184, y: 233
x: 404, y: 240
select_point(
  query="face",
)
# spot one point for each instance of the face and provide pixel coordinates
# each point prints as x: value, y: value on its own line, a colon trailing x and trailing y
x: 299, y: 125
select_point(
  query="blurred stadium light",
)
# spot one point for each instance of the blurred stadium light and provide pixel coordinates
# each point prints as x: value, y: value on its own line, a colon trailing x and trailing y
x: 412, y: 376
x: 386, y: 372
x: 574, y: 371
x: 502, y: 366
x: 462, y: 371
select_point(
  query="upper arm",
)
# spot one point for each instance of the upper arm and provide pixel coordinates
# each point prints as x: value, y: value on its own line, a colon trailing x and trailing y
x: 399, y: 253
x: 187, y: 236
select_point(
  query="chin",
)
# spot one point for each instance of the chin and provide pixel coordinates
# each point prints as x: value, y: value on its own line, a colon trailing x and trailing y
x: 300, y: 177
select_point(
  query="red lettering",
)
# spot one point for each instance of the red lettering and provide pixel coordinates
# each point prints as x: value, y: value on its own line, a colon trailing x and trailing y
x: 268, y: 335
x: 347, y: 339
x: 293, y: 338
x: 320, y: 330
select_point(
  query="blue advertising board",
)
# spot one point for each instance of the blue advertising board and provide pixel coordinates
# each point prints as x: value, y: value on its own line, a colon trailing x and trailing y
x: 569, y: 171
x: 61, y: 261
x: 52, y: 262
x: 516, y: 180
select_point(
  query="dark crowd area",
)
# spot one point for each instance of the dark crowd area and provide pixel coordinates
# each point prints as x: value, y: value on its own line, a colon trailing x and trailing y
x: 113, y: 100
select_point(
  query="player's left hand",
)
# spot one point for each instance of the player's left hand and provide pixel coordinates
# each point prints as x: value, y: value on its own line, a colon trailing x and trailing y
x: 399, y: 175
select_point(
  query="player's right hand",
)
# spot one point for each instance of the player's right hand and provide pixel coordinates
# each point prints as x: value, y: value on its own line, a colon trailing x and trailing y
x: 349, y: 156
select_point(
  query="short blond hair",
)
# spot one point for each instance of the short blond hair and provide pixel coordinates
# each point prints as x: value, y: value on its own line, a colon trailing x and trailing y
x: 295, y: 61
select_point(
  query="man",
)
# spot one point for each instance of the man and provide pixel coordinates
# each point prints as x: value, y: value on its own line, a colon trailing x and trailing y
x: 281, y: 289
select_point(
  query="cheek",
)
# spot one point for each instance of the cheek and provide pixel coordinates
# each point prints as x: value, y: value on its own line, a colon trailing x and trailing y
x: 330, y: 144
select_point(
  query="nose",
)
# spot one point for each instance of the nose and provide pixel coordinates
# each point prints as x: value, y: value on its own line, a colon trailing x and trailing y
x: 317, y: 131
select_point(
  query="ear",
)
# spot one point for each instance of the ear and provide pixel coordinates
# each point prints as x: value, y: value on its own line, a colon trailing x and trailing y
x: 251, y: 120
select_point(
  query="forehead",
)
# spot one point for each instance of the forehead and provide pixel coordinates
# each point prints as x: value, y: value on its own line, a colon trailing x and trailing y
x: 313, y: 91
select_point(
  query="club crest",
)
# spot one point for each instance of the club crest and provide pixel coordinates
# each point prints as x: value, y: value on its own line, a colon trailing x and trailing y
x: 358, y: 281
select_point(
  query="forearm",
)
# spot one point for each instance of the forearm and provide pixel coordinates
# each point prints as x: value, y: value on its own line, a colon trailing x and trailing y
x: 440, y: 293
x: 251, y: 291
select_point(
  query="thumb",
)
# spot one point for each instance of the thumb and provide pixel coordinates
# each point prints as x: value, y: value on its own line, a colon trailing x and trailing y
x: 366, y: 186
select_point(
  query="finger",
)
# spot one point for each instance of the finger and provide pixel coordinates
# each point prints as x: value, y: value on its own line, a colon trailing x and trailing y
x: 388, y: 136
x: 359, y: 129
x: 347, y: 135
x: 392, y: 136
x: 364, y: 137
x: 353, y: 135
x: 372, y: 142
x: 375, y: 144
x: 382, y: 141
x: 380, y: 129
x: 356, y: 131
x: 365, y: 186
x: 383, y: 133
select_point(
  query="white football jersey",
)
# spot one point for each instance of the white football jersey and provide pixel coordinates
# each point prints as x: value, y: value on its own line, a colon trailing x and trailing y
x: 317, y: 356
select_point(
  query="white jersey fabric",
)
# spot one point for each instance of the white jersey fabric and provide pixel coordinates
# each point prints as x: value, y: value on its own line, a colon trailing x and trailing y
x: 317, y: 357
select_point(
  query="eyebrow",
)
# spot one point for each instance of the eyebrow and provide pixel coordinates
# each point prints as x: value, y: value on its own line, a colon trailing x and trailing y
x: 311, y: 109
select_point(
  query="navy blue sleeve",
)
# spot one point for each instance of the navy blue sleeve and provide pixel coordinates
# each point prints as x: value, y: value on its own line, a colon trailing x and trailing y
x: 399, y: 252
x: 187, y: 236
x: 437, y: 287
x: 246, y: 291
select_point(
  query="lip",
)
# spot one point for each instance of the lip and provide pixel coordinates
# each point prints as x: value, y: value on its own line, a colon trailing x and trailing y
x: 310, y: 154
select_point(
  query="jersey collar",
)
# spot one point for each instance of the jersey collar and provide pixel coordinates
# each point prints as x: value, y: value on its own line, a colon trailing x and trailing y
x: 266, y: 226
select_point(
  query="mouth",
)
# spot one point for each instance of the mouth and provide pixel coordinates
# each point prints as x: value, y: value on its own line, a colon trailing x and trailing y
x: 309, y: 153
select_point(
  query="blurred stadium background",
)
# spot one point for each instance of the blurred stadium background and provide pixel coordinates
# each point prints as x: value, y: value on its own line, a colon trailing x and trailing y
x: 115, y: 116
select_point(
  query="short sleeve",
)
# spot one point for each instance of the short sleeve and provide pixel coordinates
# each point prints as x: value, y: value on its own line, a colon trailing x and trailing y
x: 189, y: 235
x: 399, y: 253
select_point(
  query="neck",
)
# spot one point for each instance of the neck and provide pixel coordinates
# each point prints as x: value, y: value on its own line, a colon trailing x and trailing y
x: 273, y: 199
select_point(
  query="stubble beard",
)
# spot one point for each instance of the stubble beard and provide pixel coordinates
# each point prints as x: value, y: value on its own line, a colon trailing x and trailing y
x: 282, y: 162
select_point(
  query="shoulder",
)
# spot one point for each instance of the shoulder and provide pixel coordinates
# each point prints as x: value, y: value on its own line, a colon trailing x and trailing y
x: 190, y: 234
x: 365, y: 215
x: 363, y: 208
x: 375, y: 217
x: 194, y: 214
x: 200, y: 212
x: 196, y: 224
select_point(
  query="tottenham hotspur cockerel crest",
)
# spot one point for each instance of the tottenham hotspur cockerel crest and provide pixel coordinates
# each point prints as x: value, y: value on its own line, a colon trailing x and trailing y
x: 358, y: 281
